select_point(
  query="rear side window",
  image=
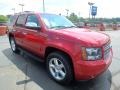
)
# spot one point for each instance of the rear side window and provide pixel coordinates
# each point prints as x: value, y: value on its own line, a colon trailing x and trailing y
x: 21, y: 20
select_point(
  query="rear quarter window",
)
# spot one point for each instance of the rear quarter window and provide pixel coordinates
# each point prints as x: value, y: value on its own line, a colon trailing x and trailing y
x: 13, y: 19
x: 11, y: 22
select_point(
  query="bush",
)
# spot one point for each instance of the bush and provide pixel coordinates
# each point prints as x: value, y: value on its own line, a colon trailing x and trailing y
x: 3, y: 18
x: 73, y: 17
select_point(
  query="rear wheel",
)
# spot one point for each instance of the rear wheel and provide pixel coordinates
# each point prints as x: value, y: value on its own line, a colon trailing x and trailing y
x: 59, y: 68
x: 13, y: 45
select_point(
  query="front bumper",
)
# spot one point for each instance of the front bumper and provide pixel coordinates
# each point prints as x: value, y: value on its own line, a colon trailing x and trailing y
x: 85, y: 70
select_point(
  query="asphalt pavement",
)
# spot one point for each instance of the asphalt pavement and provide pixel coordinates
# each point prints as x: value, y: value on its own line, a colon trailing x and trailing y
x: 21, y: 72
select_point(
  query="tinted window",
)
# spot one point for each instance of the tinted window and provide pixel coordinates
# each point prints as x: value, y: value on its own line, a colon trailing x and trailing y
x: 21, y: 20
x: 33, y: 20
x: 13, y: 19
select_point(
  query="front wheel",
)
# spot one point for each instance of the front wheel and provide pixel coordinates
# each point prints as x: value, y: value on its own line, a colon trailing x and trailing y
x: 59, y: 68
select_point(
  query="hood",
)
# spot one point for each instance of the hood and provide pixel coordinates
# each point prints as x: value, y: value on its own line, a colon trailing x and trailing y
x: 85, y: 36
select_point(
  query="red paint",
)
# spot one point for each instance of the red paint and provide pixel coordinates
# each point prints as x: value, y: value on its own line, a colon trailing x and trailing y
x: 69, y: 40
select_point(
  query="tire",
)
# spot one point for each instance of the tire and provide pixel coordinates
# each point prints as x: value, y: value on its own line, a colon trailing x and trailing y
x: 13, y: 45
x: 59, y: 68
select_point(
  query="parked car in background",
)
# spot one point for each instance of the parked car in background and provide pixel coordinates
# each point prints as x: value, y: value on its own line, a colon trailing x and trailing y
x: 70, y: 53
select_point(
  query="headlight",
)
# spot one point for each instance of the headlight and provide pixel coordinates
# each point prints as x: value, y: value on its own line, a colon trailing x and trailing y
x: 91, y: 53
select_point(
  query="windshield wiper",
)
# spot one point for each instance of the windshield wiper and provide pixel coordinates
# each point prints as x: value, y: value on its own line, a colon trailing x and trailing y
x: 71, y: 27
x: 58, y: 27
x: 61, y: 27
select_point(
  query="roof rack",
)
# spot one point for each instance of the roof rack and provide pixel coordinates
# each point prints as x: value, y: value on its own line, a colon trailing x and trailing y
x: 26, y: 12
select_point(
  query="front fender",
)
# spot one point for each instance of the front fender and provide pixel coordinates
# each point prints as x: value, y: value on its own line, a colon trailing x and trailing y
x: 71, y: 48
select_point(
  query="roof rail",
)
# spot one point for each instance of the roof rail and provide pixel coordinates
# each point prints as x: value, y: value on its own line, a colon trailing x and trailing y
x: 29, y: 11
x: 26, y: 12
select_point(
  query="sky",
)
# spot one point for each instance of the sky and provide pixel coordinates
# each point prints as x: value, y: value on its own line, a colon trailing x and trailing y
x: 106, y: 8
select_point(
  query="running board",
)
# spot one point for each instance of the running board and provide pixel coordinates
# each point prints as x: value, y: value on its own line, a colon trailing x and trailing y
x: 23, y: 51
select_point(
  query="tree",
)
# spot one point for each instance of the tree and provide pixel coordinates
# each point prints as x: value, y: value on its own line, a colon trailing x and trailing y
x: 73, y: 17
x: 3, y: 18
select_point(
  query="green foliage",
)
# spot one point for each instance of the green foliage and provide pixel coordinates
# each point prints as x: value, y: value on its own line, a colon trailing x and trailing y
x: 81, y: 19
x: 73, y: 17
x: 3, y: 18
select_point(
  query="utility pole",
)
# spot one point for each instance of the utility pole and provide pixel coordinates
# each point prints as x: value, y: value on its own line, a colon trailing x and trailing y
x: 22, y: 5
x: 44, y: 6
x: 67, y: 11
x: 79, y: 16
x: 90, y: 4
x: 13, y: 10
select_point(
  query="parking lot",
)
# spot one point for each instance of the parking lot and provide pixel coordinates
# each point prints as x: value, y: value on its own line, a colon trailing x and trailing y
x: 21, y: 72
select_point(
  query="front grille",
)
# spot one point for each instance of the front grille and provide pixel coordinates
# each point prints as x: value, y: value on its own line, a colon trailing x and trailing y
x: 106, y: 50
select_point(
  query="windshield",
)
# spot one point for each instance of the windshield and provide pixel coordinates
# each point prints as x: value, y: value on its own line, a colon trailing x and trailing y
x: 56, y: 21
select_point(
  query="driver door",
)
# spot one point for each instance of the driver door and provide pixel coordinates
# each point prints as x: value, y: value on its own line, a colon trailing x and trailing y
x: 34, y: 38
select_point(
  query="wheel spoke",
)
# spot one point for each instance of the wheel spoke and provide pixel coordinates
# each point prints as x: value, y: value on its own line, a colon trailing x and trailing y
x: 56, y: 61
x: 52, y: 66
x: 62, y: 73
x: 61, y: 66
x: 57, y: 75
x: 53, y: 73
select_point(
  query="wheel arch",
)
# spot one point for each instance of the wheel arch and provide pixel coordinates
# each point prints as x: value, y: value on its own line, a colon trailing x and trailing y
x: 50, y: 49
x: 10, y: 35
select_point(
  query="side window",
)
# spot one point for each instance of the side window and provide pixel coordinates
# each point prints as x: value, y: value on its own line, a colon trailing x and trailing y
x: 21, y: 20
x: 32, y: 21
x: 13, y: 19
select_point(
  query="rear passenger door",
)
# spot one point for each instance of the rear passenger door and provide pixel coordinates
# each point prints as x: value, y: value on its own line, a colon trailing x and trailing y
x: 19, y: 29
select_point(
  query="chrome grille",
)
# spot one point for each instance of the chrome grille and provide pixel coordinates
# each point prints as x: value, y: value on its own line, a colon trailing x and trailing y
x: 106, y: 50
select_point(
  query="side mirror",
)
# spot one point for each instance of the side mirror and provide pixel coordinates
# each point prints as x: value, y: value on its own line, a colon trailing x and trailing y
x: 32, y: 25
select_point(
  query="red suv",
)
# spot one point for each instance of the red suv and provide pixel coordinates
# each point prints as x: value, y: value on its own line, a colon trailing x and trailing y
x: 70, y: 53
